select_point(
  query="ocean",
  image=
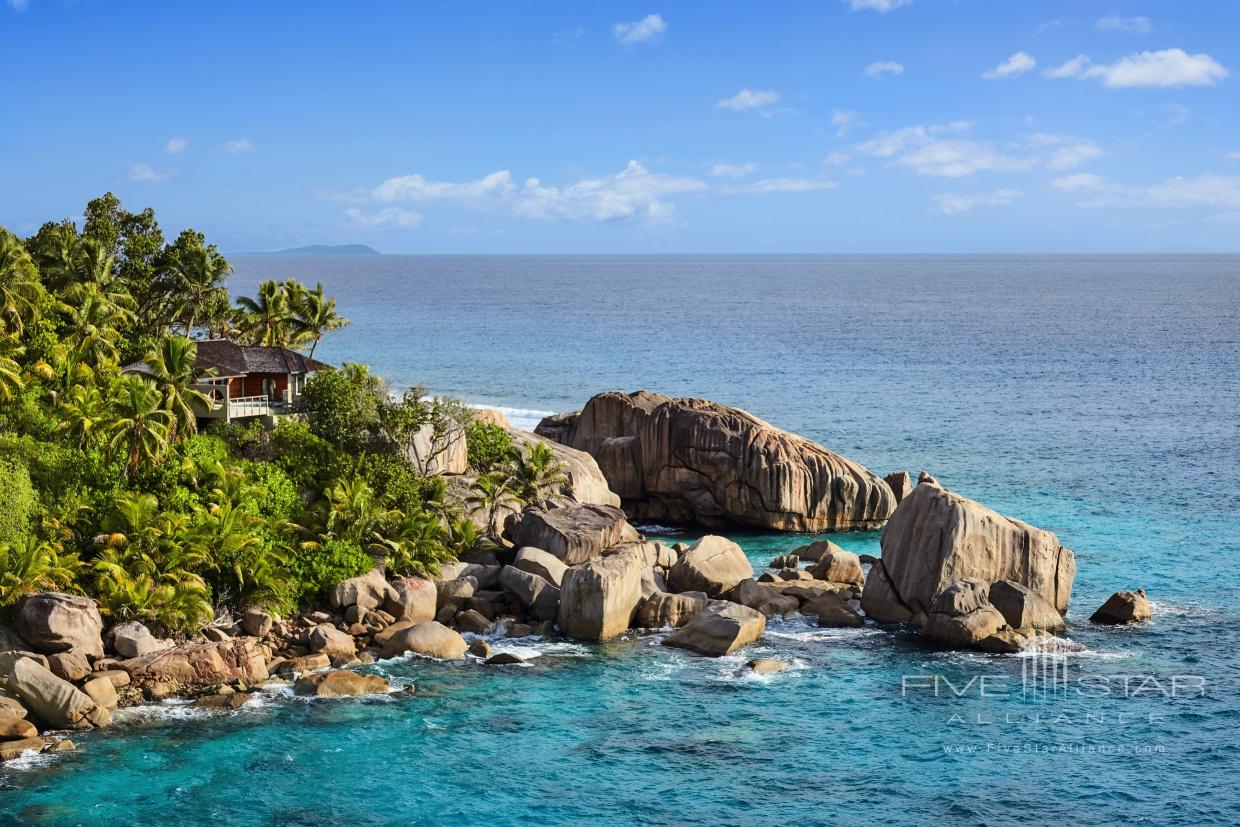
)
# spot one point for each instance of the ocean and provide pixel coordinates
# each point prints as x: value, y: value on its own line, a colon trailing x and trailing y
x: 1096, y: 396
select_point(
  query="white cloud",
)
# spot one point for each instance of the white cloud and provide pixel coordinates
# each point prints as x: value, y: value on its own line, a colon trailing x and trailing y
x: 146, y: 174
x: 645, y: 30
x: 882, y: 6
x: 1132, y: 25
x: 1017, y: 64
x: 1166, y: 68
x: 733, y: 170
x: 843, y: 120
x: 883, y: 67
x: 1081, y: 182
x: 955, y: 203
x: 386, y: 218
x: 1234, y: 155
x: 1066, y: 151
x: 790, y: 185
x: 19, y: 6
x: 945, y: 151
x: 1175, y: 193
x: 239, y: 146
x: 568, y: 37
x: 836, y: 158
x: 1049, y: 25
x: 1175, y: 114
x: 747, y: 99
x: 633, y: 194
x: 497, y: 185
x: 176, y: 145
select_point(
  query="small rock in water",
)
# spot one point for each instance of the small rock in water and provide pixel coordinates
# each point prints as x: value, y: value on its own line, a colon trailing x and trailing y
x: 480, y: 649
x: 1123, y: 607
x: 63, y: 745
x: 504, y: 659
x: 766, y: 666
x: 520, y: 630
x: 223, y: 701
x: 338, y: 683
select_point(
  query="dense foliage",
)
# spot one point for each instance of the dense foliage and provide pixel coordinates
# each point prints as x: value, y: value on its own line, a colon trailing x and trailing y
x: 111, y: 490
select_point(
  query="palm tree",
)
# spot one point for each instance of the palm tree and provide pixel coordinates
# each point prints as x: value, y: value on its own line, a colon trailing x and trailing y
x: 316, y: 315
x: 416, y: 544
x: 268, y: 316
x: 56, y: 258
x: 34, y: 565
x: 200, y: 272
x: 19, y: 284
x: 83, y: 414
x: 93, y: 263
x: 490, y: 494
x: 172, y: 368
x: 11, y: 380
x: 93, y: 332
x: 350, y: 511
x: 537, y: 475
x: 139, y: 425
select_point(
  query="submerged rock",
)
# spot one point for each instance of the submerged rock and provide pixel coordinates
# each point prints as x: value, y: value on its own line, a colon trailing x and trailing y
x: 505, y: 659
x: 766, y: 666
x: 1123, y: 607
x: 720, y: 629
x: 339, y: 683
x: 696, y: 461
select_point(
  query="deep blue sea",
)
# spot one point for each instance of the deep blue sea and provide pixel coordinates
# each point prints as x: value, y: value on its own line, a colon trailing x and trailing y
x: 1097, y: 396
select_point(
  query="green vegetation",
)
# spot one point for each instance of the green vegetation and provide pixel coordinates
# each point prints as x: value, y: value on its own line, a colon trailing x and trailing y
x: 111, y: 490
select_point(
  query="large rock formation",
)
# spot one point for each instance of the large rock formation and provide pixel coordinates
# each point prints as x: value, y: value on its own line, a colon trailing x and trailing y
x: 573, y: 534
x: 696, y: 461
x: 431, y: 639
x: 586, y: 483
x: 55, y: 622
x: 195, y: 664
x: 55, y: 701
x: 434, y: 455
x: 713, y: 565
x: 937, y: 537
x: 598, y: 598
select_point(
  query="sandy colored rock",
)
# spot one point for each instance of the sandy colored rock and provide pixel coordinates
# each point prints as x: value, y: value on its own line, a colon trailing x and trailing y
x: 713, y: 565
x: 339, y: 683
x: 767, y: 598
x: 256, y: 622
x: 720, y: 629
x: 479, y: 649
x: 433, y: 454
x: 411, y: 599
x: 533, y: 592
x: 101, y: 691
x: 303, y: 664
x: 833, y: 611
x: 766, y: 666
x: 133, y: 640
x: 696, y: 461
x: 1023, y: 609
x: 937, y: 537
x: 839, y: 566
x: 430, y: 639
x: 542, y: 563
x: 505, y: 659
x: 369, y: 591
x: 55, y: 622
x: 455, y: 592
x: 599, y: 597
x: 10, y: 750
x: 662, y: 609
x: 57, y: 702
x: 224, y: 702
x: 14, y: 729
x: 1123, y: 607
x: 900, y: 483
x: 490, y: 416
x: 586, y: 483
x: 472, y: 621
x: 195, y: 664
x: 71, y: 665
x: 573, y: 534
x: 962, y: 616
x: 332, y: 642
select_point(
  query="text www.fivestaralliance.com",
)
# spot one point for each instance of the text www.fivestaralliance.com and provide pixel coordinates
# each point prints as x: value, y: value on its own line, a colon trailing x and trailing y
x: 1030, y: 747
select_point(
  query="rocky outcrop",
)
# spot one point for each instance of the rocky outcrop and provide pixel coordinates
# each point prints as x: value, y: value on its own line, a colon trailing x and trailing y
x: 696, y: 461
x: 573, y: 534
x: 133, y: 640
x: 545, y: 565
x: 1024, y: 609
x: 490, y: 416
x: 411, y: 598
x: 720, y: 629
x: 662, y: 609
x: 962, y: 616
x: 435, y: 455
x: 900, y: 483
x: 431, y: 639
x: 330, y: 641
x: 833, y: 610
x: 55, y: 701
x: 195, y: 664
x: 713, y: 565
x: 839, y: 566
x: 598, y: 598
x: 533, y: 592
x: 369, y: 591
x: 586, y: 483
x: 339, y: 683
x: 937, y: 537
x: 55, y: 622
x: 1123, y: 607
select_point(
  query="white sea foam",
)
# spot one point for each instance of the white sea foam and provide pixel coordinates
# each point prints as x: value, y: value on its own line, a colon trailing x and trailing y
x: 656, y: 528
x: 173, y: 709
x: 526, y: 419
x: 31, y: 759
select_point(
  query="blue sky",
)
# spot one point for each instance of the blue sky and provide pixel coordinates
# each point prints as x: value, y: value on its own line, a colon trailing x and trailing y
x: 579, y: 127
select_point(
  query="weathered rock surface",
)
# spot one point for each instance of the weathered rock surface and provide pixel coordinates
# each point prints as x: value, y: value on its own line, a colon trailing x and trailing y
x: 545, y: 565
x: 696, y: 461
x: 434, y: 455
x: 813, y: 552
x: 412, y: 599
x: 369, y: 591
x: 766, y: 666
x: 598, y: 598
x: 533, y: 592
x: 256, y: 622
x: 662, y: 609
x: 55, y: 622
x: 573, y: 534
x: 339, y: 683
x: 962, y: 616
x: 720, y: 629
x: 586, y: 483
x: 767, y: 598
x: 937, y: 537
x: 833, y: 610
x: 900, y: 483
x: 56, y: 702
x: 332, y: 642
x: 839, y: 566
x: 10, y: 750
x: 238, y: 658
x: 71, y: 665
x: 1123, y: 607
x: 133, y: 640
x: 430, y: 639
x: 1024, y: 609
x: 102, y: 691
x: 713, y: 565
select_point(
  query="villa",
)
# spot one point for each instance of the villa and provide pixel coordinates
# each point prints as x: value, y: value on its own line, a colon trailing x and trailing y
x: 244, y: 382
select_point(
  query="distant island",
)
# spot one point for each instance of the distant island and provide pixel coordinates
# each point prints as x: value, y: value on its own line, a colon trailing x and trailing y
x: 319, y: 250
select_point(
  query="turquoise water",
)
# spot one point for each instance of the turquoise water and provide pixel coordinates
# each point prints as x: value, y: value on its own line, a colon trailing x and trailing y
x: 1095, y: 396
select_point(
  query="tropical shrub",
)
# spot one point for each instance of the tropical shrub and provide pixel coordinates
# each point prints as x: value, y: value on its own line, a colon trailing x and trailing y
x: 34, y: 566
x: 315, y: 569
x: 489, y: 446
x: 20, y: 503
